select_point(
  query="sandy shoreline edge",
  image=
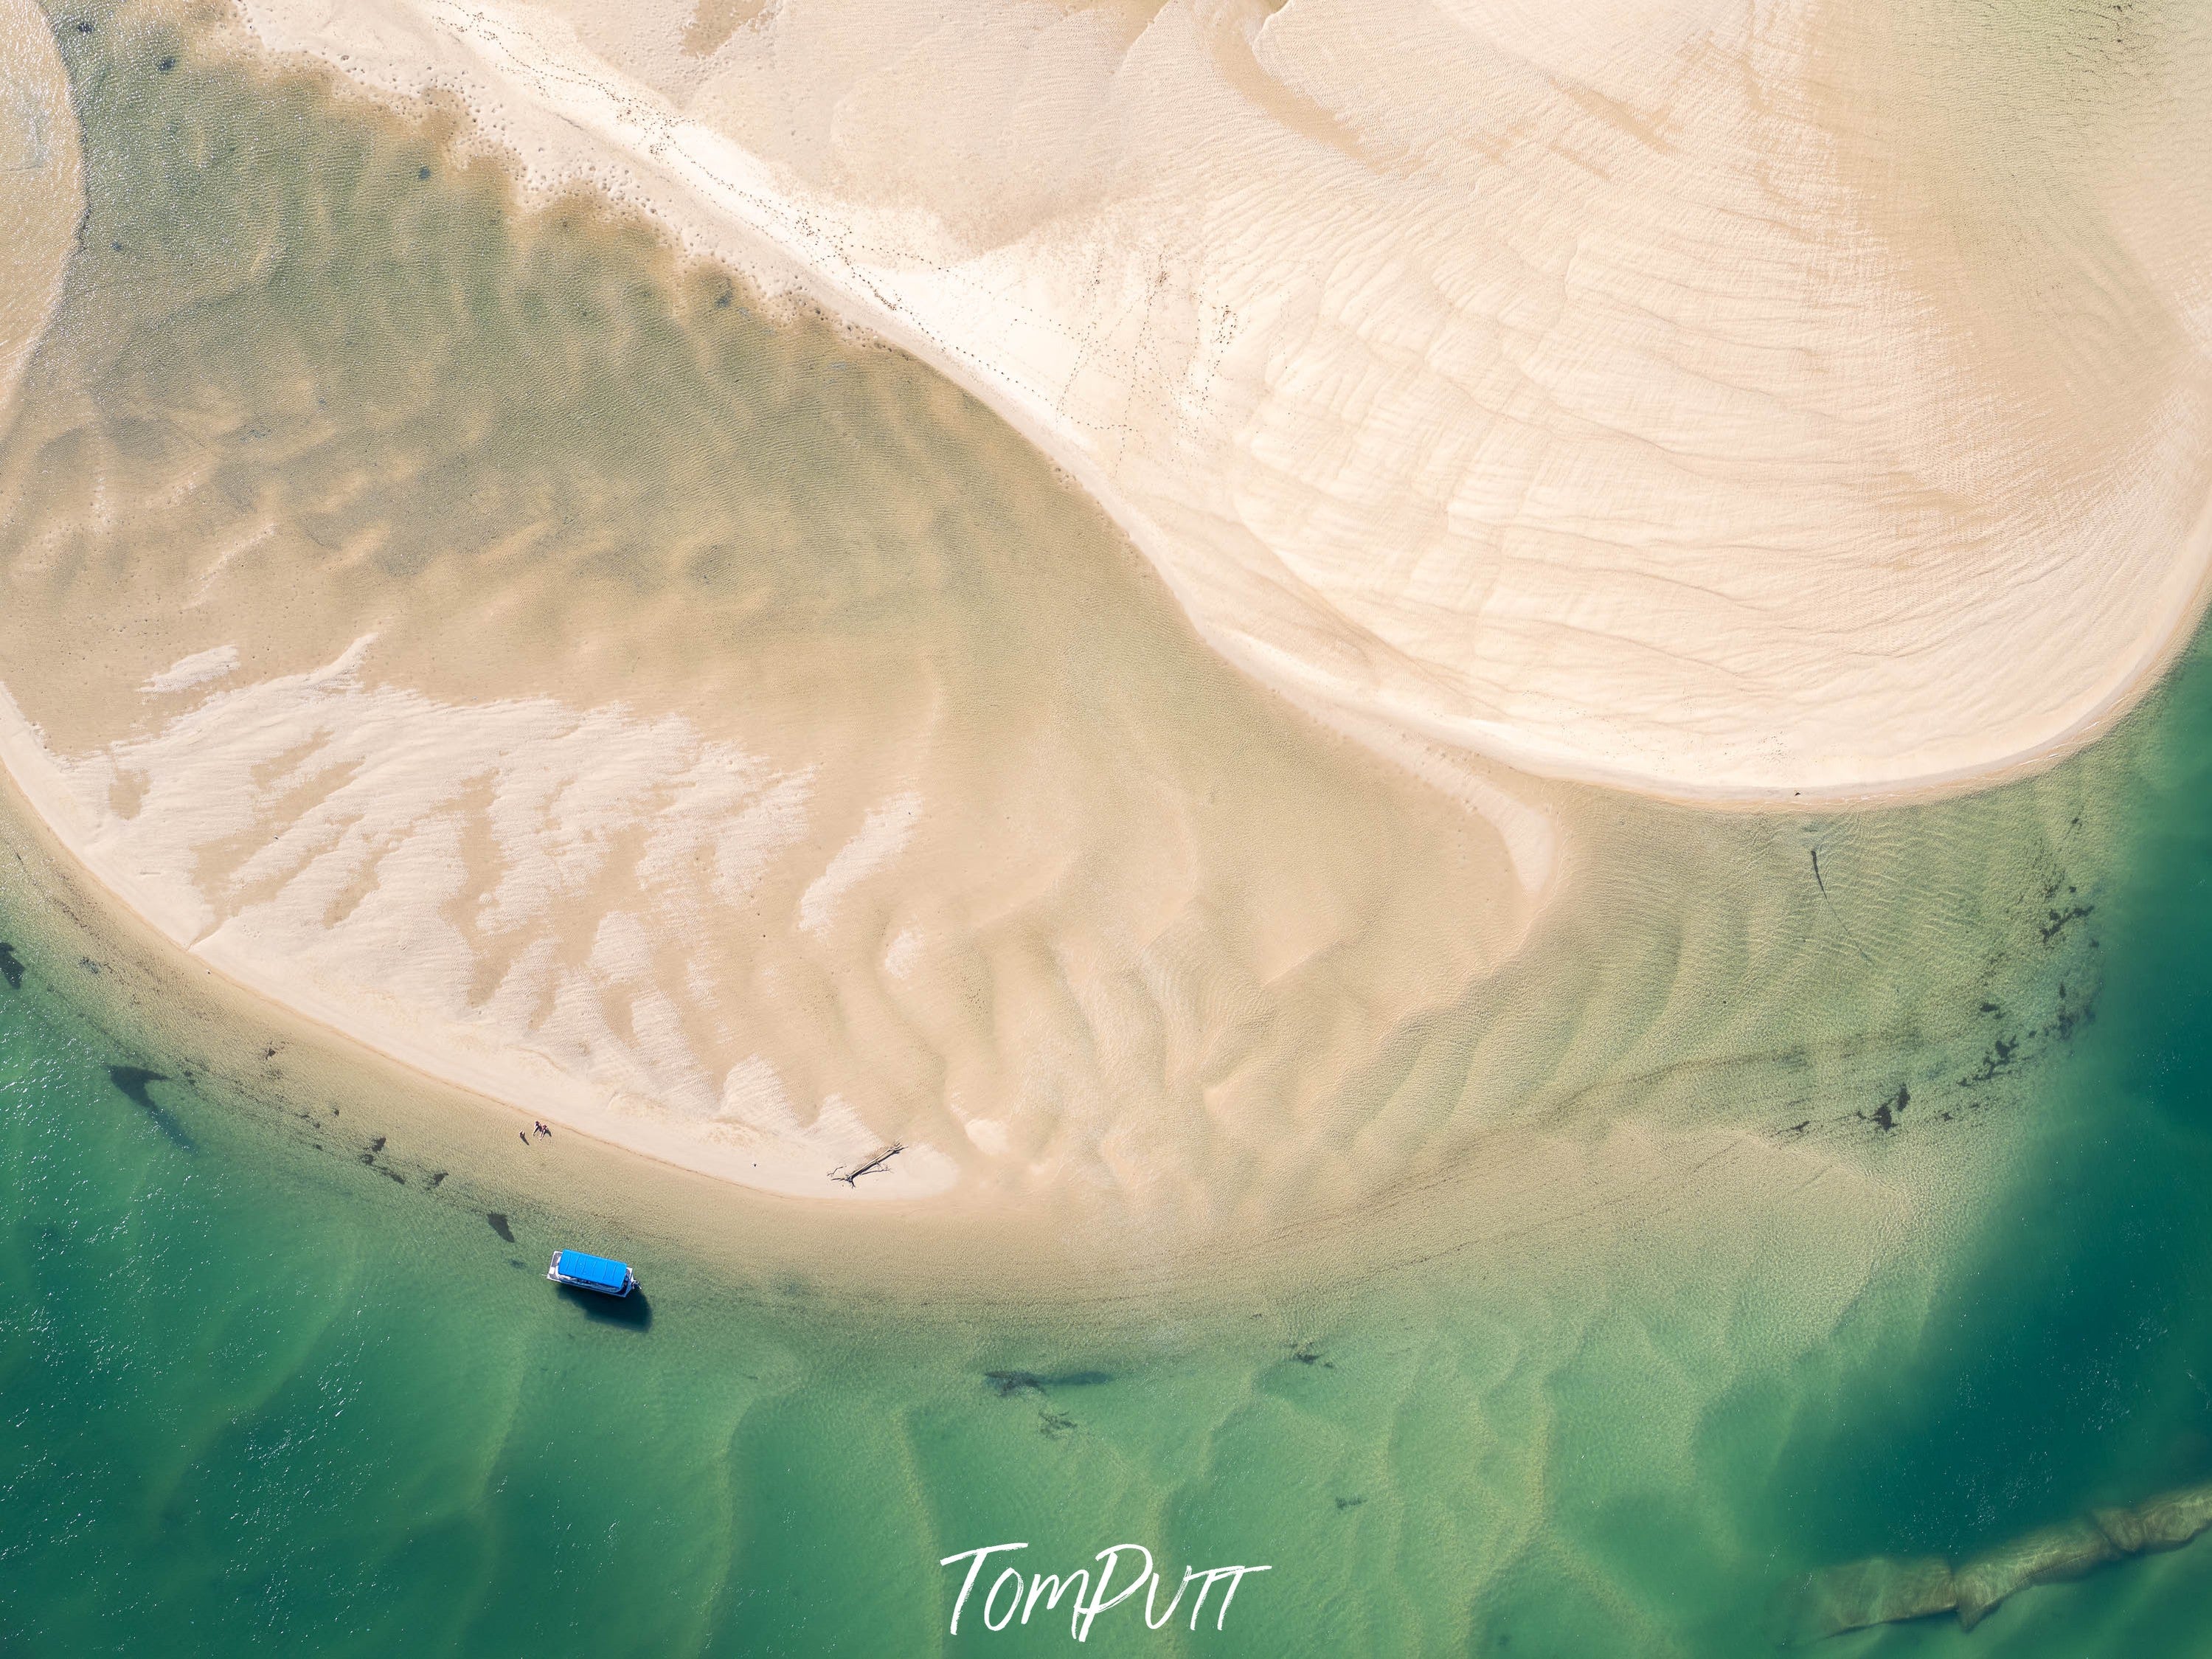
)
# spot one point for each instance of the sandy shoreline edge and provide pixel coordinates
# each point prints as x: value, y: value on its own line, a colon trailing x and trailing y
x: 672, y: 168
x: 565, y: 116
x: 513, y: 1076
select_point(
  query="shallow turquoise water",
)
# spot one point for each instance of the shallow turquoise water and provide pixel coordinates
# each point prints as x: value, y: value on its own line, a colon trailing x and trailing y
x: 2067, y: 1359
x: 258, y: 1396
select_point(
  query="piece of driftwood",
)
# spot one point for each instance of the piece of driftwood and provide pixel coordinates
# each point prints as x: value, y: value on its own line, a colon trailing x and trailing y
x: 852, y: 1176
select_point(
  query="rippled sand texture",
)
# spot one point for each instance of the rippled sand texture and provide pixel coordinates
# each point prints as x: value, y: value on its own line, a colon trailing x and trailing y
x: 1736, y: 399
x: 1601, y: 1438
x: 470, y: 627
x: 475, y: 630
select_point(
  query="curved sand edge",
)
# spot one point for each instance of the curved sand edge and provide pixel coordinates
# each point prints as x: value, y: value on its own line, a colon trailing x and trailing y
x: 824, y: 894
x: 1140, y: 996
x: 798, y: 901
x: 393, y: 1036
x: 508, y: 1073
x: 987, y: 320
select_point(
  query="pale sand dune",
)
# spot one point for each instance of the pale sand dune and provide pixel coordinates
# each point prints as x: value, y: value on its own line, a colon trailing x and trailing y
x: 484, y: 637
x: 481, y: 634
x: 629, y: 928
x: 1726, y: 400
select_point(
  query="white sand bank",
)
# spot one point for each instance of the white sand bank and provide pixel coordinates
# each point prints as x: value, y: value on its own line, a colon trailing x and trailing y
x: 698, y: 730
x: 350, y: 917
x: 1729, y: 401
x: 734, y: 744
x: 632, y: 929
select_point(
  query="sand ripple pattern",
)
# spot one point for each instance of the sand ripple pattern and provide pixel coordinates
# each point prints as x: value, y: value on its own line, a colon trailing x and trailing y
x: 1733, y: 400
x: 501, y: 875
x: 472, y: 624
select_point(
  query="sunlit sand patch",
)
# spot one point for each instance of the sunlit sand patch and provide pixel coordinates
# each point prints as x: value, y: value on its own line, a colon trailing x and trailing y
x: 1737, y: 401
x: 473, y: 627
x: 199, y: 669
x: 524, y: 651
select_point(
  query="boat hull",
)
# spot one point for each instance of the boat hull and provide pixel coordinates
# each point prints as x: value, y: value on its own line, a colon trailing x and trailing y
x: 597, y: 1274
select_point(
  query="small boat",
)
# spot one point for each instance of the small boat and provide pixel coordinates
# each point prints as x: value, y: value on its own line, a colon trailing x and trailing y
x: 591, y: 1272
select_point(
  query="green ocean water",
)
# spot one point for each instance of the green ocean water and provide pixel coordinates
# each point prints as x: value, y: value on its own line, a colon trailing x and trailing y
x: 269, y: 1383
x: 259, y: 1396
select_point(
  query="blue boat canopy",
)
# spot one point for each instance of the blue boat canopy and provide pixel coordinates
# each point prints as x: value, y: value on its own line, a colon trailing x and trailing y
x: 593, y: 1272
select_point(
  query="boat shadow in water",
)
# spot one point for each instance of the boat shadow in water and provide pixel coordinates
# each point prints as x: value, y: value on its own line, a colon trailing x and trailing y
x: 632, y: 1310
